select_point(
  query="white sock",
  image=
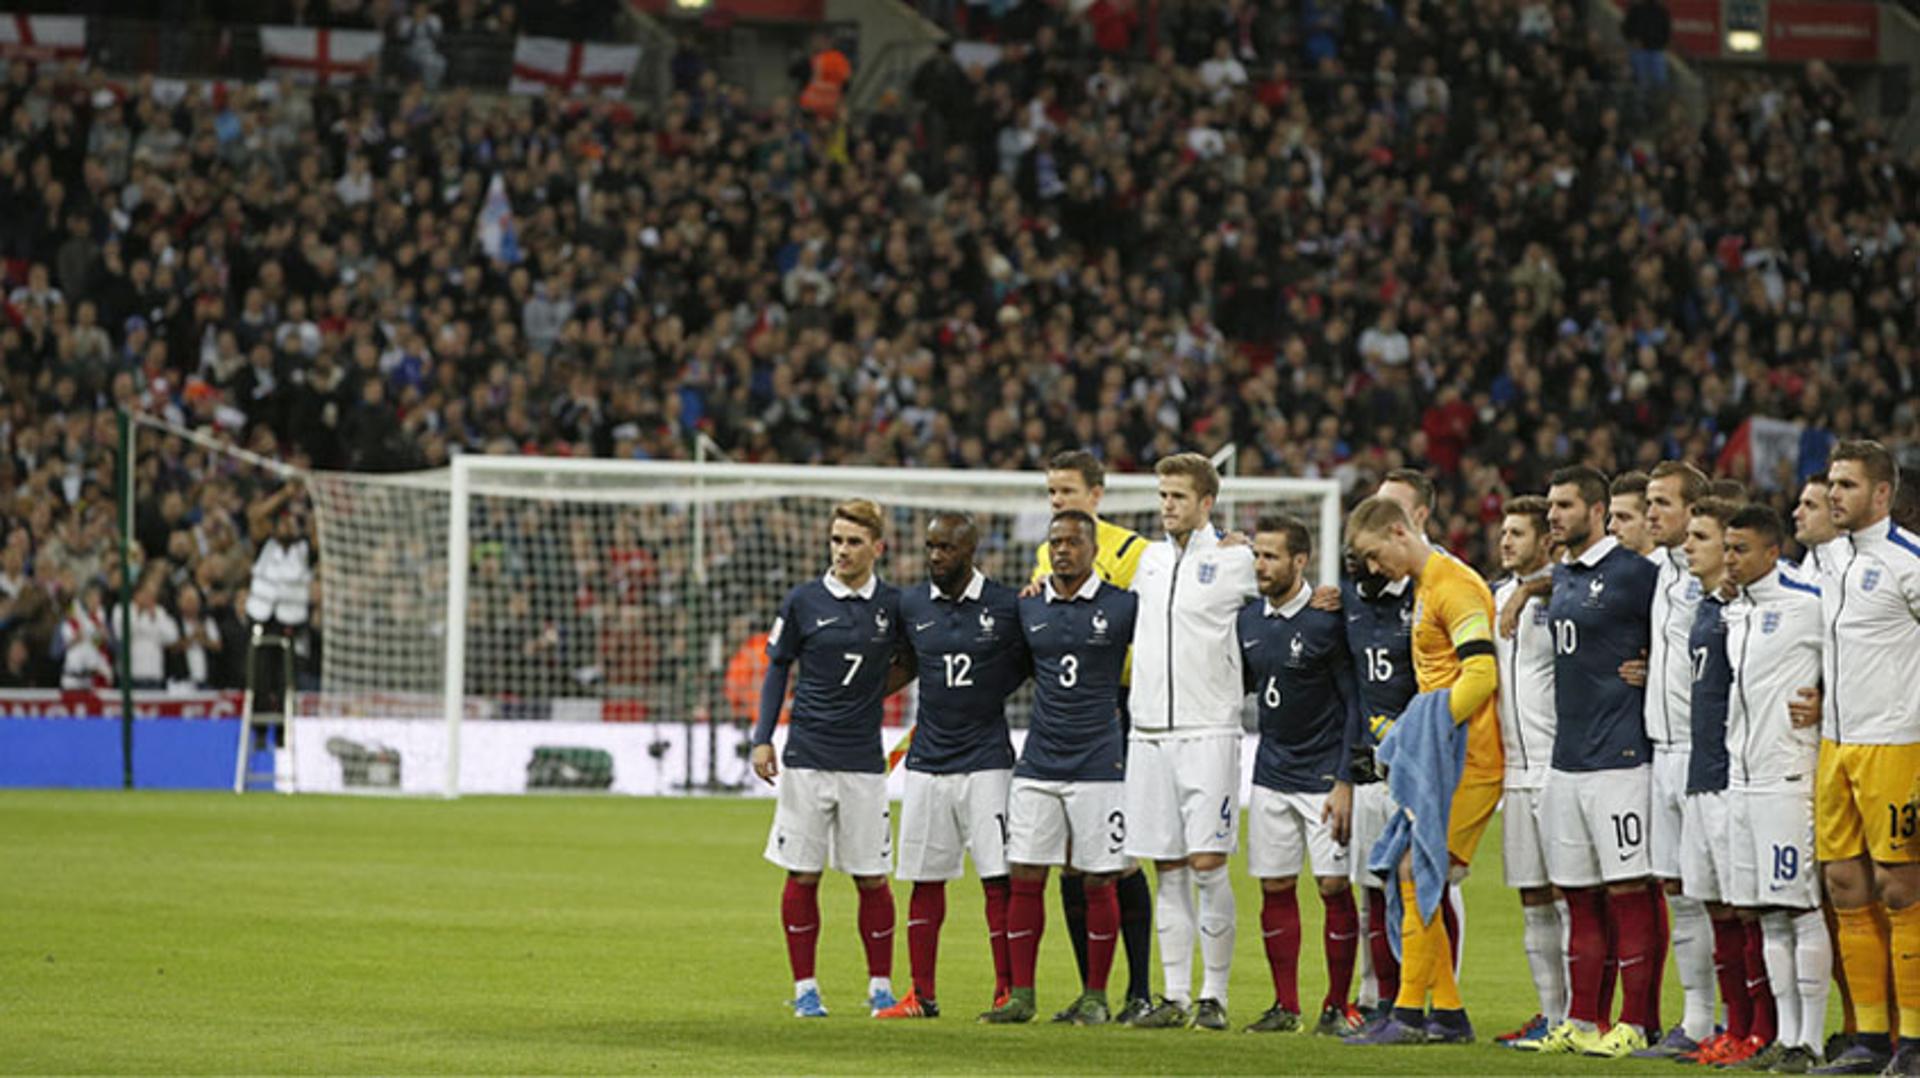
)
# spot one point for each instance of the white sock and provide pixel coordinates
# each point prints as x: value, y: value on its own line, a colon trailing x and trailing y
x: 1566, y: 948
x: 1457, y: 902
x: 1173, y: 926
x: 1217, y: 921
x: 1776, y: 928
x: 1546, y: 960
x: 879, y: 984
x: 800, y: 987
x: 1693, y: 955
x: 1369, y: 996
x: 1813, y: 965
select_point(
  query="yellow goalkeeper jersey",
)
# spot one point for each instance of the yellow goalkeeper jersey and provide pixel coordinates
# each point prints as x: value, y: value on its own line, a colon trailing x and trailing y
x: 1115, y: 560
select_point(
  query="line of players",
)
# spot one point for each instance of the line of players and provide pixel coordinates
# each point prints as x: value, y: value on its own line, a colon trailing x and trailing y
x: 1653, y: 742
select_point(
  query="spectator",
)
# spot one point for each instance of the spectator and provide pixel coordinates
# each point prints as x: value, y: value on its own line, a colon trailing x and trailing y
x: 1648, y: 28
x: 154, y: 633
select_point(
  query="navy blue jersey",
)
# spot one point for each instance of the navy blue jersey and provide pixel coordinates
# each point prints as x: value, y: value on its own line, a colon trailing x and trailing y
x: 1079, y: 647
x: 1712, y: 685
x: 1380, y: 639
x: 843, y: 643
x: 1295, y: 663
x: 1601, y: 613
x: 970, y: 656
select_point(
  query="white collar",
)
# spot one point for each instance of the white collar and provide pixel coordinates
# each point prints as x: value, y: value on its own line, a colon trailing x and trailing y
x: 841, y: 591
x: 1396, y: 587
x: 1203, y: 536
x: 1597, y: 551
x: 1538, y: 574
x: 1087, y: 590
x: 1677, y: 555
x: 970, y: 593
x: 1301, y: 596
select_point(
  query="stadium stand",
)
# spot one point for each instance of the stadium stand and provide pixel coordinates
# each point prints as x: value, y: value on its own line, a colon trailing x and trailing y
x: 1340, y: 237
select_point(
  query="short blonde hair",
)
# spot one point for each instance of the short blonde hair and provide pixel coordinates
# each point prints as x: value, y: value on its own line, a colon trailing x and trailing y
x: 864, y: 513
x: 1206, y: 481
x: 1376, y: 514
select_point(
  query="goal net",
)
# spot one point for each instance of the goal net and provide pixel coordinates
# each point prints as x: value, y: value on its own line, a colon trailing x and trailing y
x: 520, y: 624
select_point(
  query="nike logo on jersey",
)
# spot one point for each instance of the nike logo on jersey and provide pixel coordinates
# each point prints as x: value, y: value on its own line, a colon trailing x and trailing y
x: 821, y: 623
x: 1040, y: 626
x: 922, y: 626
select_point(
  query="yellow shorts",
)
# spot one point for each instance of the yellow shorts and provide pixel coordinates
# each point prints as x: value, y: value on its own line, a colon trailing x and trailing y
x: 1473, y: 805
x: 1866, y: 801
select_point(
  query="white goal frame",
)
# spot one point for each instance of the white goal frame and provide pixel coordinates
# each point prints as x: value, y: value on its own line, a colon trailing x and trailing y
x: 684, y: 481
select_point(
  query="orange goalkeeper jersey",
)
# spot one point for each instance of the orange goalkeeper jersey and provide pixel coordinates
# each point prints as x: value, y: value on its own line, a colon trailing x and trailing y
x: 1453, y: 606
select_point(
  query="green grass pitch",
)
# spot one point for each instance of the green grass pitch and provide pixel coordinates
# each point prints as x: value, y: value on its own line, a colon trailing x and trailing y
x: 205, y: 933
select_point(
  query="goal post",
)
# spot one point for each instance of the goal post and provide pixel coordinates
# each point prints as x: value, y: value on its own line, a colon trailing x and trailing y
x: 601, y: 590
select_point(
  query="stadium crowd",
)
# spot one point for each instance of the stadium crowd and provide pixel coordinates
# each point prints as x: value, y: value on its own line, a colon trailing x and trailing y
x: 1344, y: 238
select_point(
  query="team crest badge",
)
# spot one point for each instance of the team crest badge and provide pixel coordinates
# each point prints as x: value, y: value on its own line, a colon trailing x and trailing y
x: 1870, y: 580
x: 1207, y: 572
x: 1539, y: 614
x: 1595, y: 587
x: 1769, y: 622
x: 1693, y: 590
x: 986, y: 624
x: 1099, y: 623
x: 1406, y: 617
x: 881, y: 621
x: 1296, y: 647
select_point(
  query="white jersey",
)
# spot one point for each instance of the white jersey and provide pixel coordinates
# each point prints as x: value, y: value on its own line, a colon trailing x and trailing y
x: 1676, y: 596
x: 1871, y: 605
x: 1773, y: 646
x: 282, y: 582
x: 1186, y: 655
x: 1526, y: 688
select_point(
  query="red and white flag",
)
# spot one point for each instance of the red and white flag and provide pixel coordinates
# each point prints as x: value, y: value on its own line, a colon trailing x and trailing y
x: 328, y: 57
x: 572, y: 67
x: 43, y: 37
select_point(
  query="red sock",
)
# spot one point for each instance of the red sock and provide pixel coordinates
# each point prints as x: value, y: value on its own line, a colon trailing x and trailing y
x: 1386, y: 968
x: 1730, y: 967
x: 1103, y: 931
x: 1026, y: 917
x: 926, y: 912
x: 1610, y: 967
x: 1637, y: 927
x: 1586, y: 952
x: 1280, y: 931
x: 1662, y: 941
x: 1342, y: 943
x: 800, y: 917
x: 998, y: 894
x: 1759, y: 988
x: 876, y: 929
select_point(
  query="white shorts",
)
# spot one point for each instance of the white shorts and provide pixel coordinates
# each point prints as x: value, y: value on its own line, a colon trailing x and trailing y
x: 1772, y: 841
x: 840, y: 819
x: 1523, y: 846
x: 1706, y: 864
x: 1050, y: 820
x: 1663, y: 819
x: 1595, y: 825
x: 1183, y: 796
x: 945, y: 817
x: 1372, y: 807
x: 1282, y: 828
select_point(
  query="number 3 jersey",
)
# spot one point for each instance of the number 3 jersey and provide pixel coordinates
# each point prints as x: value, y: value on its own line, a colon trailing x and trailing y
x: 1079, y: 647
x: 843, y: 641
x: 1296, y: 665
x: 971, y: 656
